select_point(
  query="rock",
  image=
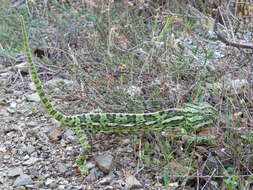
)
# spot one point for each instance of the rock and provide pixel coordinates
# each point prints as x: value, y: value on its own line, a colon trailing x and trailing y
x: 7, y: 157
x: 132, y: 183
x: 134, y: 91
x: 23, y: 180
x: 21, y: 148
x: 56, y: 81
x: 10, y: 110
x: 32, y: 124
x: 15, y: 172
x: 3, y: 148
x: 33, y: 97
x: 105, y: 162
x: 13, y: 105
x: 109, y: 188
x: 49, y: 182
x: 91, y: 177
x: 23, y: 67
x: 62, y: 168
x: 35, y: 172
x: 173, y: 185
x: 95, y: 173
x: 55, y: 135
x: 90, y: 165
x: 68, y: 132
x: 126, y: 141
x: 107, y: 180
x: 61, y: 187
x: 30, y: 149
x: 31, y: 86
x: 20, y: 188
x: 26, y: 157
x: 53, y: 185
x: 69, y: 149
x: 38, y: 185
x: 31, y: 161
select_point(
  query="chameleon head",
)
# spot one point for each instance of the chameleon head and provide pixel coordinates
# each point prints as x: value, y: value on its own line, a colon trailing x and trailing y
x: 200, y: 115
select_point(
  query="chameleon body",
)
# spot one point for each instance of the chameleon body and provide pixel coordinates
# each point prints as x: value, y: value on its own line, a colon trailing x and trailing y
x: 192, y: 117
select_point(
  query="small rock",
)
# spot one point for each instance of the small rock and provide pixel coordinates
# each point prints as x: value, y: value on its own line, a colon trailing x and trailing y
x: 44, y: 148
x: 68, y: 132
x: 26, y: 157
x: 23, y: 180
x: 62, y: 168
x: 92, y: 175
x: 32, y: 124
x: 55, y: 135
x: 13, y: 105
x: 32, y: 87
x: 69, y: 148
x: 3, y: 148
x: 33, y: 97
x: 15, y: 172
x: 23, y: 67
x: 10, y: 110
x: 61, y: 187
x: 109, y: 188
x: 126, y: 141
x: 49, y: 181
x: 56, y: 123
x: 31, y: 161
x: 34, y: 172
x: 53, y: 185
x: 132, y: 183
x: 21, y: 149
x: 90, y: 165
x: 11, y: 134
x: 134, y: 91
x: 107, y: 180
x: 20, y: 188
x: 7, y: 157
x: 173, y: 185
x: 105, y: 162
x: 38, y: 185
x: 30, y: 149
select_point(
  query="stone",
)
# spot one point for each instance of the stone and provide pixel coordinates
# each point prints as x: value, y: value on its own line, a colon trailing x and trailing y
x: 33, y: 97
x: 55, y: 135
x: 15, y: 172
x: 132, y: 182
x: 23, y: 180
x: 105, y: 162
x: 62, y: 168
x: 23, y: 67
x: 49, y: 182
x: 31, y: 161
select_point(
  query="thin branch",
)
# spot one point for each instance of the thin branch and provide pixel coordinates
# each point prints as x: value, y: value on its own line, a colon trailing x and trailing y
x: 222, y: 37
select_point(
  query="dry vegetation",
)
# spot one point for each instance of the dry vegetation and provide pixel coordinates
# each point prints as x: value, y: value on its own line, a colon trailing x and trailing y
x: 141, y: 56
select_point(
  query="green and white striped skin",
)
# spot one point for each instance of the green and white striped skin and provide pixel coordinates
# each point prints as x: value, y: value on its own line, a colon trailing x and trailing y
x: 191, y: 117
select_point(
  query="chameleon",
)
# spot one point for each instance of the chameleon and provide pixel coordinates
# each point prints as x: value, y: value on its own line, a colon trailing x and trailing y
x: 191, y: 117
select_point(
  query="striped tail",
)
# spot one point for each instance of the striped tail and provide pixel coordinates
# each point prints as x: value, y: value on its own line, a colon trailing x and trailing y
x: 57, y: 115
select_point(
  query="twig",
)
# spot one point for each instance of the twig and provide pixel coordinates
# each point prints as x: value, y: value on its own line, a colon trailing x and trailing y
x: 223, y: 39
x: 209, y: 179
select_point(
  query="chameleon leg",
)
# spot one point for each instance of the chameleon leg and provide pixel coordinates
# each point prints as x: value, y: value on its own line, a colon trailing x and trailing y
x: 208, y: 140
x: 81, y: 159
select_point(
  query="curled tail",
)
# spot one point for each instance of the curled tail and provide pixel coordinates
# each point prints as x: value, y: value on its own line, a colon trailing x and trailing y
x: 57, y: 115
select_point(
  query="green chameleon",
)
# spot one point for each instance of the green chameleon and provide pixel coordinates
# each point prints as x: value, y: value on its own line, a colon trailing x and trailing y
x: 191, y: 118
